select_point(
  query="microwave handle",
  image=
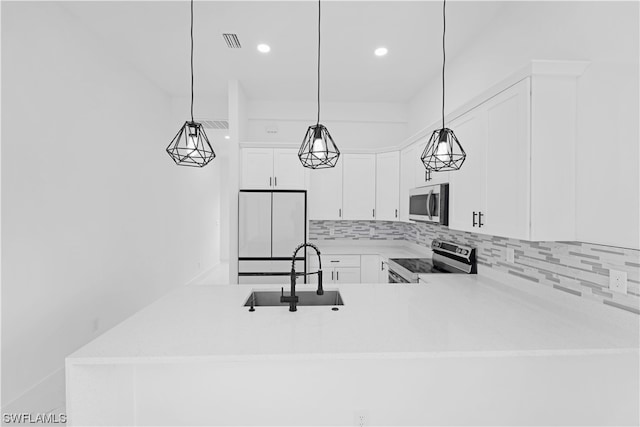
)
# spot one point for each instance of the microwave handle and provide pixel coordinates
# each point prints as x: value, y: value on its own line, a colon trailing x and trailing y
x: 429, y: 213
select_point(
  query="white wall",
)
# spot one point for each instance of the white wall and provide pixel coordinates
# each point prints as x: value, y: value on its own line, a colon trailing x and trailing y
x: 237, y: 132
x: 97, y: 220
x: 607, y: 155
x: 353, y: 125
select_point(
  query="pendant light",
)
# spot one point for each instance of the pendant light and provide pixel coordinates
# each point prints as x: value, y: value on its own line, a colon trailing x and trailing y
x: 318, y: 151
x: 191, y: 147
x: 443, y: 151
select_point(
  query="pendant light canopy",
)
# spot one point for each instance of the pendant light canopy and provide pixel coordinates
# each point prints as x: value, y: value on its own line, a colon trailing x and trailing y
x: 318, y: 151
x: 190, y: 146
x: 443, y: 151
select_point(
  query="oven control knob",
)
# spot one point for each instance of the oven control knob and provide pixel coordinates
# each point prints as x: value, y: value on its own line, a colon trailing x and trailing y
x: 465, y: 252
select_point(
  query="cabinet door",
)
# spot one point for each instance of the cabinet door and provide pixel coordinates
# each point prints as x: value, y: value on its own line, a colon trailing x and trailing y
x: 506, y: 211
x: 325, y: 193
x: 369, y: 268
x: 407, y: 180
x: 257, y: 168
x: 424, y: 177
x: 359, y: 186
x: 387, y: 186
x: 347, y: 275
x: 383, y: 270
x: 288, y: 172
x: 466, y: 188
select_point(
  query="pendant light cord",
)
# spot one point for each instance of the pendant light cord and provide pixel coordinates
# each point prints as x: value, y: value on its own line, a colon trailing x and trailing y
x: 444, y: 30
x: 318, y: 119
x: 192, y: 61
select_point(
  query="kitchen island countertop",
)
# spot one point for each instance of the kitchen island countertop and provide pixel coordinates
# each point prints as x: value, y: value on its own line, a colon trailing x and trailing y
x: 452, y: 314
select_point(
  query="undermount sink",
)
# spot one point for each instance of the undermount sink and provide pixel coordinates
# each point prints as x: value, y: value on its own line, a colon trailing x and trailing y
x: 272, y: 298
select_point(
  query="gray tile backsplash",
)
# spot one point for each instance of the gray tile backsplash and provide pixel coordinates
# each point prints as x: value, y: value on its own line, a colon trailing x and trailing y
x: 577, y: 268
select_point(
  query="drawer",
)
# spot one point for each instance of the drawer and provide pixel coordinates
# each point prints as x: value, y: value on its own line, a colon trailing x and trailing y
x: 329, y: 261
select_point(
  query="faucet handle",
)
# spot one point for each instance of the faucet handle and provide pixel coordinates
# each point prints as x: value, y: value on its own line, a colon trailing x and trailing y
x: 282, y: 291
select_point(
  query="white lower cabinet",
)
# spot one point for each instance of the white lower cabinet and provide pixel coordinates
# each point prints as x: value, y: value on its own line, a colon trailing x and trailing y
x: 383, y: 271
x: 335, y: 268
x: 346, y: 275
x: 374, y: 269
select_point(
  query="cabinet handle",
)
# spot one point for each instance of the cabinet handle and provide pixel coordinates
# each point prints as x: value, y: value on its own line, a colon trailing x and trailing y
x: 339, y: 213
x: 269, y: 181
x: 474, y: 218
x: 373, y: 213
x: 332, y: 275
x: 480, y: 224
x: 335, y: 260
x: 275, y: 181
x: 396, y: 213
x: 337, y: 275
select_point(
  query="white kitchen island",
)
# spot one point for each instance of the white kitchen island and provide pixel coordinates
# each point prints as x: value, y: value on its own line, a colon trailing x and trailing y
x: 458, y: 350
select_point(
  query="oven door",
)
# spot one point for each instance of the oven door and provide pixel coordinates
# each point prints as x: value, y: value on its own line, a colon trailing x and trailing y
x: 396, y: 278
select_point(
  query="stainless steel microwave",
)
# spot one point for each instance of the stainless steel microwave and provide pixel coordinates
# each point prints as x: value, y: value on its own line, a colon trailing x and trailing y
x: 430, y: 204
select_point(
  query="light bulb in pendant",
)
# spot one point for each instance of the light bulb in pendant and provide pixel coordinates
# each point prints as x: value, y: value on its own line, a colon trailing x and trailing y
x: 319, y: 147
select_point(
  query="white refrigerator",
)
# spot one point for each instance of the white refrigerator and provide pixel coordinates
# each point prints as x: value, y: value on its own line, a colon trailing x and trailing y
x: 271, y: 224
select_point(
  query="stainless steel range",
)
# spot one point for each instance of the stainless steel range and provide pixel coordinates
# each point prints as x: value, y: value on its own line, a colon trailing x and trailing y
x: 447, y: 257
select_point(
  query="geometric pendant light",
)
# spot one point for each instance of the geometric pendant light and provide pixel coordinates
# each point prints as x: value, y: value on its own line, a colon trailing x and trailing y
x: 318, y: 151
x: 443, y: 151
x: 190, y: 146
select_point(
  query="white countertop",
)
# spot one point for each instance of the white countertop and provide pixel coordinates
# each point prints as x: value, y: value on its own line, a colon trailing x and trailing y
x: 384, y: 248
x: 451, y: 315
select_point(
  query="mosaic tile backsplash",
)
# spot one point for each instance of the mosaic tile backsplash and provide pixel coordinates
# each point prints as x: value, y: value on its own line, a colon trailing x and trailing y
x: 581, y: 269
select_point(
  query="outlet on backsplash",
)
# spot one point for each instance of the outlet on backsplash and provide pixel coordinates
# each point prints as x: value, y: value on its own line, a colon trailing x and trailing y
x: 332, y: 231
x: 372, y: 231
x: 511, y: 255
x: 618, y: 281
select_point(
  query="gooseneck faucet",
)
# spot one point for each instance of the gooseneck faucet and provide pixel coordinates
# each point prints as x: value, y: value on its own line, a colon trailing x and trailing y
x: 292, y: 299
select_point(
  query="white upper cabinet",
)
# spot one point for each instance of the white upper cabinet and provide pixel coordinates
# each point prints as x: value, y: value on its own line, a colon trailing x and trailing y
x: 359, y: 186
x: 288, y: 172
x: 325, y: 192
x: 387, y: 186
x: 272, y: 168
x: 506, y: 211
x: 407, y: 179
x: 518, y: 178
x: 423, y: 176
x: 490, y: 192
x: 257, y: 168
x: 466, y: 187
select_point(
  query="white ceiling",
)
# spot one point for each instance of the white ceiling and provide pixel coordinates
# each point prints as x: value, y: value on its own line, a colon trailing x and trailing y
x: 153, y: 36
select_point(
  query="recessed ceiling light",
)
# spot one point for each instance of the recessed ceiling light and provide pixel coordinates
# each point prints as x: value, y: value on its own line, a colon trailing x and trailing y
x: 381, y: 51
x: 264, y: 48
x: 227, y: 137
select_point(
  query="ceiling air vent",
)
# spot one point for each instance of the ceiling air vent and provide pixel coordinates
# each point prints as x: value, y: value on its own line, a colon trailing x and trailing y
x: 232, y: 41
x: 214, y: 124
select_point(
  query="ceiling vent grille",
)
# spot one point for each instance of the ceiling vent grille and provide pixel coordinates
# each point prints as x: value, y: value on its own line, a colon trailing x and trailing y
x: 214, y: 124
x: 232, y: 41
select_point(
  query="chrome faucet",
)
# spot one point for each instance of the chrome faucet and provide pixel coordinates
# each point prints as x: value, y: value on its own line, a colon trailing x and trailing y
x: 292, y: 299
